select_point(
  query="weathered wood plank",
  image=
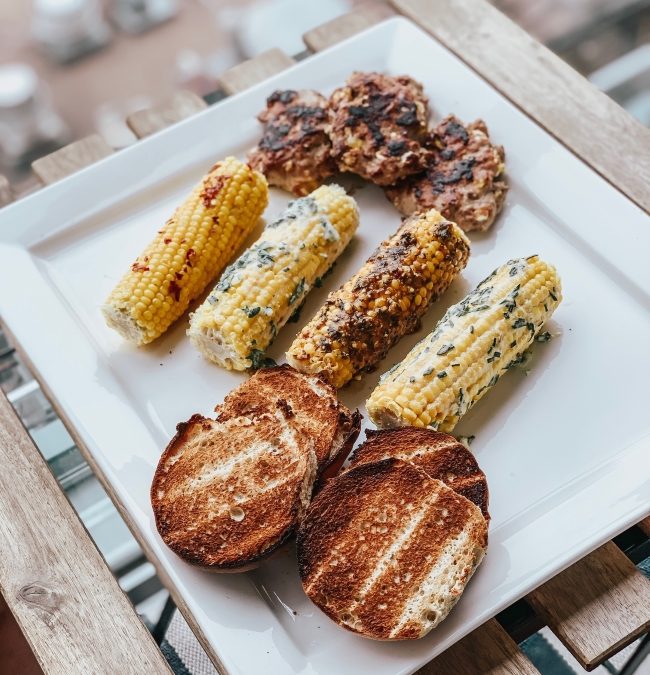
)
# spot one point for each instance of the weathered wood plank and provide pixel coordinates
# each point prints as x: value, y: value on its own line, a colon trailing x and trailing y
x: 257, y: 69
x: 345, y: 26
x: 6, y: 194
x: 584, y: 119
x: 179, y: 600
x: 597, y: 606
x: 53, y: 579
x: 71, y: 158
x: 489, y: 650
x: 181, y: 105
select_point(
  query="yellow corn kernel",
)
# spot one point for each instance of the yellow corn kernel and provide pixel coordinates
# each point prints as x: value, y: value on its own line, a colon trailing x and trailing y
x: 191, y: 249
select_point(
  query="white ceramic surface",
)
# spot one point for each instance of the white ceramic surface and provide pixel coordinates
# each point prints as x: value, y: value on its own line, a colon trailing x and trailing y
x: 565, y: 448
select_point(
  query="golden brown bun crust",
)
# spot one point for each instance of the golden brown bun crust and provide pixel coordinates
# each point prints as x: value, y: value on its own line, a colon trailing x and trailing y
x: 310, y: 402
x: 372, y: 539
x: 440, y: 455
x: 225, y: 495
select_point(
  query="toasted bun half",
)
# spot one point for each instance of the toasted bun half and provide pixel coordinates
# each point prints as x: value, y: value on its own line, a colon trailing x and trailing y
x: 311, y: 406
x: 386, y: 551
x: 440, y: 455
x: 226, y: 494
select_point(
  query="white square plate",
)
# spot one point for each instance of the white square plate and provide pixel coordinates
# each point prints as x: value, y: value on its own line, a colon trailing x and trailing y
x: 565, y: 448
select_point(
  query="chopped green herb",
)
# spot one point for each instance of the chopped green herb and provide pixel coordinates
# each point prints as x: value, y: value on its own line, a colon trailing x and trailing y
x: 295, y: 317
x: 543, y: 337
x: 553, y: 296
x: 411, y: 379
x: 319, y: 282
x: 251, y: 311
x: 445, y: 349
x: 258, y: 360
x: 513, y: 344
x: 519, y: 323
x: 297, y: 291
x: 442, y: 374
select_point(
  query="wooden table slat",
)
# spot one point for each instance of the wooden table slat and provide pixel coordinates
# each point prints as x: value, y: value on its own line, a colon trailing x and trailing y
x: 181, y: 105
x: 488, y: 650
x: 557, y: 97
x: 6, y: 194
x: 248, y: 73
x: 71, y: 158
x: 597, y: 606
x: 53, y: 579
x: 336, y: 30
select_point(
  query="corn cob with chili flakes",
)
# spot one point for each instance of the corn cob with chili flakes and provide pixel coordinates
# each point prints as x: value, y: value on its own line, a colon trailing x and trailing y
x: 192, y: 248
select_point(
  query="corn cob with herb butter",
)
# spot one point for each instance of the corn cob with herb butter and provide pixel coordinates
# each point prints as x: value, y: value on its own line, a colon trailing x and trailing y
x: 259, y: 292
x: 473, y: 345
x: 191, y: 249
x: 385, y: 300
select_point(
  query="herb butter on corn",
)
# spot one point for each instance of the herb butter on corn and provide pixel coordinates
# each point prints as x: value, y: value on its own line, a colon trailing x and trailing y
x: 385, y: 300
x: 260, y: 291
x: 191, y: 249
x: 475, y: 342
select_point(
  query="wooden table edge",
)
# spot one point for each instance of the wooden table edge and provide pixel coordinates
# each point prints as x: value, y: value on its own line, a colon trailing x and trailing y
x: 590, y: 124
x: 125, y: 515
x: 43, y: 602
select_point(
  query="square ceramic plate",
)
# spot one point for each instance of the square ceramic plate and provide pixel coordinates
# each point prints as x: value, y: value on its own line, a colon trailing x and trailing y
x: 562, y: 446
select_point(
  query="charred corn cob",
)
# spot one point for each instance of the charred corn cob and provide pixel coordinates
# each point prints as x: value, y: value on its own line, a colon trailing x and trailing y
x: 475, y: 342
x: 259, y: 292
x: 385, y: 300
x: 191, y: 249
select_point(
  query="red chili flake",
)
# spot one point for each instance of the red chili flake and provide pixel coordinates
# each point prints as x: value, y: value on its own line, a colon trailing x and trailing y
x: 175, y: 290
x: 139, y: 267
x: 167, y: 240
x: 215, y: 220
x: 210, y: 191
x: 183, y: 241
x: 188, y: 256
x: 179, y: 276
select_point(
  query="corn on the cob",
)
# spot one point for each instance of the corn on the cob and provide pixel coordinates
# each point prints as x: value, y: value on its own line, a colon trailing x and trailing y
x: 385, y: 300
x: 191, y: 249
x: 259, y: 292
x: 476, y: 341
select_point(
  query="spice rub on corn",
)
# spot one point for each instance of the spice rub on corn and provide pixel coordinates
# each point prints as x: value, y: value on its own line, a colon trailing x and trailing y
x: 191, y: 249
x: 385, y: 300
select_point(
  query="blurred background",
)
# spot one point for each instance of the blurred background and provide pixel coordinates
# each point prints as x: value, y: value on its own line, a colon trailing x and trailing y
x: 69, y: 68
x: 72, y: 67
